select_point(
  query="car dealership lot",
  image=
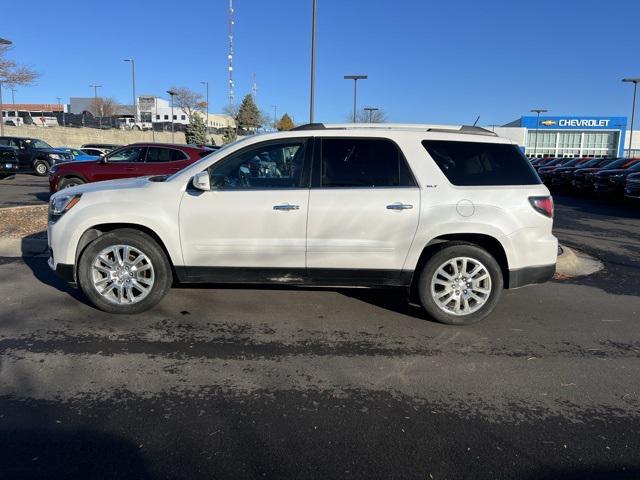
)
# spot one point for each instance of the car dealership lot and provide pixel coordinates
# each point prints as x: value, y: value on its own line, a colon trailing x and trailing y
x: 335, y: 384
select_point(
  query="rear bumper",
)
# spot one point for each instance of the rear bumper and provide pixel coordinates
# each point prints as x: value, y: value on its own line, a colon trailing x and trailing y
x: 530, y: 275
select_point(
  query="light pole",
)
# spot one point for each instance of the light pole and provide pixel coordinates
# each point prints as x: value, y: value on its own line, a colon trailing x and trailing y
x: 635, y: 81
x: 133, y: 87
x: 206, y: 84
x: 172, y: 93
x: 13, y: 97
x: 64, y: 122
x: 95, y: 101
x: 3, y: 41
x: 355, y: 79
x: 537, y: 111
x: 313, y: 59
x: 275, y: 116
x: 370, y: 111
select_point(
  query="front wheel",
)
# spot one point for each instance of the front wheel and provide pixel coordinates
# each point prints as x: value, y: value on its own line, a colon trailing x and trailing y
x: 460, y: 285
x: 124, y: 271
x: 69, y: 182
x: 41, y: 167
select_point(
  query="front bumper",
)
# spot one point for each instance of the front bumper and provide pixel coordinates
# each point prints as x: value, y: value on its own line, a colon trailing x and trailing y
x: 632, y: 191
x: 531, y: 275
x: 8, y: 167
x: 64, y: 271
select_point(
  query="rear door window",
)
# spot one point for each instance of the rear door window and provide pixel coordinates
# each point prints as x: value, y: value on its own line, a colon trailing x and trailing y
x: 161, y: 155
x: 363, y: 162
x: 481, y: 164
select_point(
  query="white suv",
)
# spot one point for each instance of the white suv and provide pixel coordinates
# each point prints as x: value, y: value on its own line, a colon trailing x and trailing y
x: 453, y: 214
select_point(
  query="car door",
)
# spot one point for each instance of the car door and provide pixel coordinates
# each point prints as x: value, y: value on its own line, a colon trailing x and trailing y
x: 24, y: 152
x: 122, y: 163
x: 254, y: 217
x: 364, y: 207
x: 164, y: 161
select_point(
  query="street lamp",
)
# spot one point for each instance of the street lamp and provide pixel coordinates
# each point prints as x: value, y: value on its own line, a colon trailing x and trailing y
x: 3, y: 41
x: 64, y: 122
x: 370, y: 111
x: 355, y: 79
x: 313, y: 59
x: 133, y: 86
x: 537, y: 111
x: 172, y: 93
x: 635, y: 81
x: 95, y: 101
x: 275, y: 116
x: 13, y: 97
x: 206, y: 84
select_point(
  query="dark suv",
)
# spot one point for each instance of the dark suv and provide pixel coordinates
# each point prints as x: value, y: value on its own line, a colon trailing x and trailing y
x: 35, y: 155
x: 8, y: 161
x: 135, y: 160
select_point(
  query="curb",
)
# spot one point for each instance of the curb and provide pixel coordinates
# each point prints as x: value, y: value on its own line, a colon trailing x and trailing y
x: 572, y: 263
x: 23, y: 247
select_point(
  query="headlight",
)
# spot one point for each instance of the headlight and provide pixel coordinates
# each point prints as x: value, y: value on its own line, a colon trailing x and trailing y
x: 59, y: 205
x: 56, y: 156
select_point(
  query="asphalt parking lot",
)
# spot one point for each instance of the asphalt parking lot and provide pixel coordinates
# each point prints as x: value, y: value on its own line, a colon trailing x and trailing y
x: 266, y: 383
x: 23, y: 189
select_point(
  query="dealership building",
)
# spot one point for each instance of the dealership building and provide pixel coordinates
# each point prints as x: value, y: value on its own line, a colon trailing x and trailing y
x: 570, y: 136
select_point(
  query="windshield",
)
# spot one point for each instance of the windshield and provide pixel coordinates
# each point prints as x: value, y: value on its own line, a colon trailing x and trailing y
x: 40, y: 144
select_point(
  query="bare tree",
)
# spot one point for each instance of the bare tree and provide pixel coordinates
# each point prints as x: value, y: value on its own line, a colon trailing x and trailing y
x: 188, y: 100
x: 104, y: 107
x: 370, y: 116
x: 12, y: 74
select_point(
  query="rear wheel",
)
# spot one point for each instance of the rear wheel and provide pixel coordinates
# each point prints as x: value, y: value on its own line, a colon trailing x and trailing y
x: 41, y: 167
x: 460, y: 285
x: 124, y: 271
x: 69, y: 182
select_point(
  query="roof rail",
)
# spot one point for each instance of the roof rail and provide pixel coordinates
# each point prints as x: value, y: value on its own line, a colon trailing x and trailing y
x: 467, y: 129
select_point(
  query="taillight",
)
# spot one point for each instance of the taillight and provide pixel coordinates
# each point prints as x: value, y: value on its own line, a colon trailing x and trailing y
x: 543, y: 205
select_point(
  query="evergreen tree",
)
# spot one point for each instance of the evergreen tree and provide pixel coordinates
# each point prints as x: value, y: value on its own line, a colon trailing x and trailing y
x: 249, y: 116
x: 196, y: 131
x: 285, y: 123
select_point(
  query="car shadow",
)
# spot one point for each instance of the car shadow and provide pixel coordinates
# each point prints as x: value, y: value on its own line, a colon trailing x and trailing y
x: 40, y: 453
x: 42, y: 272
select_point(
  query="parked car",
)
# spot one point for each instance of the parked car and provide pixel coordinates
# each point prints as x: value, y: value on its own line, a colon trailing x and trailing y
x: 582, y: 178
x: 79, y: 155
x: 321, y: 205
x: 632, y: 187
x: 135, y: 160
x: 35, y: 155
x: 8, y: 161
x: 106, y: 147
x: 546, y: 171
x: 612, y: 180
x: 561, y: 177
x: 95, y: 152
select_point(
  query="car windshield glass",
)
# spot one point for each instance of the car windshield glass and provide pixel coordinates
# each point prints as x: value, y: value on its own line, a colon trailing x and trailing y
x: 40, y: 144
x: 590, y: 163
x: 615, y: 163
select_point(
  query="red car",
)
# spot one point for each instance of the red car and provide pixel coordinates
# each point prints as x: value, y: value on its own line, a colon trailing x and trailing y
x: 135, y: 160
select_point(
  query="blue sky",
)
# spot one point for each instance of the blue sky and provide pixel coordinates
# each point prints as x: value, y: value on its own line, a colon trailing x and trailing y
x: 427, y: 61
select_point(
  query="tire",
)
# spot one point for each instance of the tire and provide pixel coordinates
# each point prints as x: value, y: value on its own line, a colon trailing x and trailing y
x: 69, y: 182
x: 434, y: 284
x: 41, y: 167
x: 117, y: 292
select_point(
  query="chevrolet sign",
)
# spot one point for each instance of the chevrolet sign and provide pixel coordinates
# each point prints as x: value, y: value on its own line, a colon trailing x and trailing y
x: 590, y: 122
x: 548, y: 123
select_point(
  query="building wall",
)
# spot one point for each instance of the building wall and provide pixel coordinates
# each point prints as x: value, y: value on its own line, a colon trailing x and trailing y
x: 75, y: 137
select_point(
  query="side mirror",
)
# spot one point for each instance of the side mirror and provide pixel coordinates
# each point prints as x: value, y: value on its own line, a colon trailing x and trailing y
x: 201, y: 181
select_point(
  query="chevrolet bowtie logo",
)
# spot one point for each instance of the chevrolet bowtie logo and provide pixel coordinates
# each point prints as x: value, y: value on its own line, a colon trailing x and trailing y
x: 548, y: 123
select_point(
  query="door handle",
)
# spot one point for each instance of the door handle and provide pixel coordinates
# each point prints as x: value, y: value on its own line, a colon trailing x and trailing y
x: 286, y: 206
x: 129, y: 169
x: 399, y: 206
